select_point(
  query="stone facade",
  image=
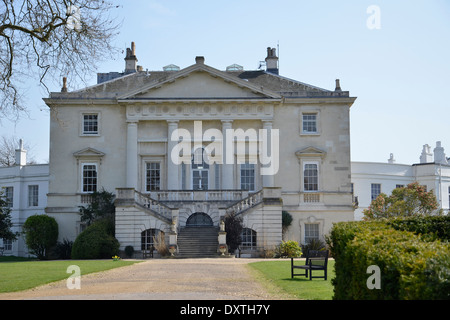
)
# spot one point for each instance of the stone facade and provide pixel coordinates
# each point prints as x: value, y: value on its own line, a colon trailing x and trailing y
x: 120, y: 135
x: 24, y: 186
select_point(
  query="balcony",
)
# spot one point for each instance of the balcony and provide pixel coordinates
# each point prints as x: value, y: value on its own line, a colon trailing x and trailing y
x: 199, y: 195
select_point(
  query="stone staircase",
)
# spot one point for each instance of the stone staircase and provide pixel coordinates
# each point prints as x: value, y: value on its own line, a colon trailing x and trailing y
x: 198, y: 242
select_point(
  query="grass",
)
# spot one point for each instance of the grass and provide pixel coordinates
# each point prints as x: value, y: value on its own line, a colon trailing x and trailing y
x: 278, y: 275
x: 22, y: 275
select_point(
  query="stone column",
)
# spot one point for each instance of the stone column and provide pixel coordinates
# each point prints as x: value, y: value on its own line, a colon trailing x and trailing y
x: 268, y: 180
x: 172, y: 167
x: 227, y: 169
x: 132, y: 154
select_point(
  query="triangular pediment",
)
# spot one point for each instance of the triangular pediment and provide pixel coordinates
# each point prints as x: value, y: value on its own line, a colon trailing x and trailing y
x: 199, y: 82
x: 310, y: 152
x: 88, y: 152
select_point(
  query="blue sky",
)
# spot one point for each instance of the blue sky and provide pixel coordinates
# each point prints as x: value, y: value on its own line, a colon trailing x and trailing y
x: 400, y: 73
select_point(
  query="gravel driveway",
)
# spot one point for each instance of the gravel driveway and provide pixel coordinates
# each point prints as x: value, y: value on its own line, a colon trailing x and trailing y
x: 162, y: 279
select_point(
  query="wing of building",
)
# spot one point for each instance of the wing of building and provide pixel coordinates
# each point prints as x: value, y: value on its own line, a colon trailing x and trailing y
x: 182, y: 147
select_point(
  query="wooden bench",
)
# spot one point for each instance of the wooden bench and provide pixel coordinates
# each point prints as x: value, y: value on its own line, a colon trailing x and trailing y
x: 315, y: 260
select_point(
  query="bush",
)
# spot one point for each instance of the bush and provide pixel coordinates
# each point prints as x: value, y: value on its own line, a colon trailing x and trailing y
x: 129, y: 251
x: 41, y: 233
x: 63, y: 250
x: 289, y: 249
x: 95, y: 242
x: 434, y: 227
x: 314, y: 244
x: 410, y: 267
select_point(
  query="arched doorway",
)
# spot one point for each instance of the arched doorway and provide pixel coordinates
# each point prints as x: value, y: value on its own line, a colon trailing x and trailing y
x: 199, y: 219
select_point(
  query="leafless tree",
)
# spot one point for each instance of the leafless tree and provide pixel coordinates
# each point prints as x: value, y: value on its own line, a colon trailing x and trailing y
x: 45, y: 40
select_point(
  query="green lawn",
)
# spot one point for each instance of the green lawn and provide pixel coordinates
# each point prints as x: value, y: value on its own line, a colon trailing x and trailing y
x: 278, y: 275
x: 16, y: 276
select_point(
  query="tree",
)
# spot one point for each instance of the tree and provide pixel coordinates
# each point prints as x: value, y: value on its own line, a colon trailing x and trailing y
x: 101, y: 206
x: 233, y: 227
x: 41, y: 233
x: 411, y: 200
x: 5, y: 221
x: 50, y: 39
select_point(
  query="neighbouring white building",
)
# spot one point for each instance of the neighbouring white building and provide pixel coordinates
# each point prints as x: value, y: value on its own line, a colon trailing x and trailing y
x: 122, y: 135
x: 369, y: 179
x: 25, y: 188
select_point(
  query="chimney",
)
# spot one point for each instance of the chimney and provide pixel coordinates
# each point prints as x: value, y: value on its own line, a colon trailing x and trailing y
x: 200, y: 60
x: 64, y: 87
x: 391, y: 158
x: 426, y: 155
x: 21, y: 155
x: 439, y: 155
x: 131, y: 60
x: 338, y: 85
x: 272, y: 61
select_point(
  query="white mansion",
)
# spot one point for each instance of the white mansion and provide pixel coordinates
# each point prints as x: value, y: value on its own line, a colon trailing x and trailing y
x: 182, y: 147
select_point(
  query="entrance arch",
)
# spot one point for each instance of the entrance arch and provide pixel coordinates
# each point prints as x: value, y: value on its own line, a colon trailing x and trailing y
x: 199, y: 219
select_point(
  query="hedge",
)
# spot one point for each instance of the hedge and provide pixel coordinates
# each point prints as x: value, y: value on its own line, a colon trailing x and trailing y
x: 411, y: 266
x: 434, y: 227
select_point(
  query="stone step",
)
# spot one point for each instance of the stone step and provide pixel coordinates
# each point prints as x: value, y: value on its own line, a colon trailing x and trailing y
x: 198, y: 242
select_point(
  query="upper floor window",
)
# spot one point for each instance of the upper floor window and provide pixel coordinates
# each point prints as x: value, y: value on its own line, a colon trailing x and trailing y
x: 375, y: 190
x: 247, y: 176
x: 311, y: 177
x: 153, y: 176
x: 9, y: 196
x: 33, y: 196
x: 90, y: 123
x: 89, y: 177
x: 309, y: 123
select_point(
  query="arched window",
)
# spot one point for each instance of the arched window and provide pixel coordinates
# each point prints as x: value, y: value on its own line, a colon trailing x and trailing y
x: 149, y: 238
x: 199, y: 219
x: 248, y: 237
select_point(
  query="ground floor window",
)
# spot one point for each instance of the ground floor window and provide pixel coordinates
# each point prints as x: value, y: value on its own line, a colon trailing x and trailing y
x: 7, y: 245
x: 311, y: 232
x: 150, y: 238
x: 248, y: 237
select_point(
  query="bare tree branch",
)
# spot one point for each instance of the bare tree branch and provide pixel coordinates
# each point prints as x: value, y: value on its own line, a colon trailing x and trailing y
x: 46, y: 40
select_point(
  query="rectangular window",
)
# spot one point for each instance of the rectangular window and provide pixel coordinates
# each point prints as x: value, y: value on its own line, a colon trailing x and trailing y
x: 309, y: 123
x: 311, y: 232
x: 248, y: 176
x: 375, y: 190
x: 89, y: 178
x: 7, y: 245
x: 9, y: 196
x: 399, y: 186
x: 311, y: 177
x: 33, y: 196
x: 153, y: 176
x: 90, y: 123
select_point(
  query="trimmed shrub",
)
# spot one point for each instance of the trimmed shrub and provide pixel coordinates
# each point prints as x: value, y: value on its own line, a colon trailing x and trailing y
x: 410, y: 267
x: 96, y: 242
x: 41, y: 233
x: 434, y: 227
